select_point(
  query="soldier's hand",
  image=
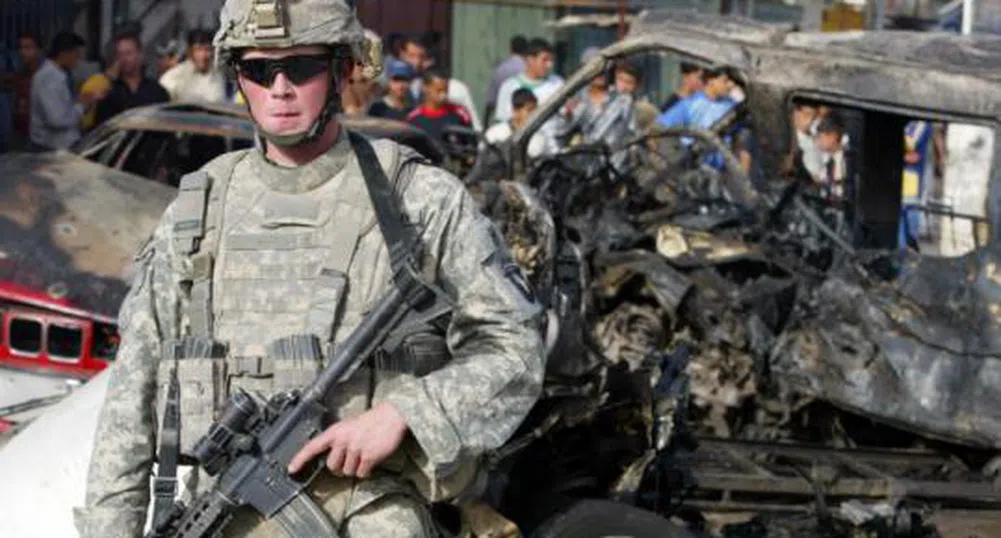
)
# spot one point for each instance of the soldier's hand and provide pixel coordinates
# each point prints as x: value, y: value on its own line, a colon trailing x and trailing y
x: 358, y: 444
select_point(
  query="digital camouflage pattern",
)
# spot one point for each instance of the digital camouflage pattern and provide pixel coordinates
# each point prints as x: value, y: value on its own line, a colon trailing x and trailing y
x: 279, y: 228
x: 282, y: 24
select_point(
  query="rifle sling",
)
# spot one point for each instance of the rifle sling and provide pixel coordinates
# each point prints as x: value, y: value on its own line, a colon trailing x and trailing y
x: 165, y: 483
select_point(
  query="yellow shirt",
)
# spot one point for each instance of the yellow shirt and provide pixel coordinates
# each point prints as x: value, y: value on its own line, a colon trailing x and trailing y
x: 94, y: 84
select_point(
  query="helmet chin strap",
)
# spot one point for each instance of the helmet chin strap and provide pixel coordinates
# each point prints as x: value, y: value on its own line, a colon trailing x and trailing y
x: 330, y: 109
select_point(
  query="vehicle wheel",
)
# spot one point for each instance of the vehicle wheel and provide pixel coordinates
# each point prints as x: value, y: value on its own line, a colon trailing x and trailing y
x: 606, y: 519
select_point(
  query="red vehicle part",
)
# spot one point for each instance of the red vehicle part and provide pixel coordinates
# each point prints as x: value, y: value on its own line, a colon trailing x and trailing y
x: 39, y: 332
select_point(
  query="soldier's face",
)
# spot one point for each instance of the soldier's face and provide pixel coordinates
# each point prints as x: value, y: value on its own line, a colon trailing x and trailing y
x: 286, y: 108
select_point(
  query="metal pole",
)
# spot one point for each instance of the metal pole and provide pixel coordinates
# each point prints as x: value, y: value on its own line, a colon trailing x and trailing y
x: 880, y: 15
x: 968, y: 9
x: 622, y: 19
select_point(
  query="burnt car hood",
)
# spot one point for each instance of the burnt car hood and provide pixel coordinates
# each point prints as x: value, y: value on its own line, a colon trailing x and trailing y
x: 922, y: 353
x: 71, y: 228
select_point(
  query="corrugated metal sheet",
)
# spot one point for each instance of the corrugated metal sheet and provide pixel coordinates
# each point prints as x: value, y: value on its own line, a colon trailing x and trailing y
x: 481, y: 34
x: 43, y: 17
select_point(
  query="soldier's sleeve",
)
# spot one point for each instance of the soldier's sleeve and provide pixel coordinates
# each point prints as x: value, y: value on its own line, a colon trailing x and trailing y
x: 476, y: 402
x: 124, y: 443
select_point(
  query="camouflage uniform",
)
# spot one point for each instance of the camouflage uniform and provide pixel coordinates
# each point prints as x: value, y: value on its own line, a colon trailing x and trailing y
x: 298, y: 251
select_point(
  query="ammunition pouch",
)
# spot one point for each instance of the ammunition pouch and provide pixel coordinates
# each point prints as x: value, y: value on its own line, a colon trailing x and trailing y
x: 297, y: 362
x: 201, y: 373
x: 417, y: 354
x: 418, y: 346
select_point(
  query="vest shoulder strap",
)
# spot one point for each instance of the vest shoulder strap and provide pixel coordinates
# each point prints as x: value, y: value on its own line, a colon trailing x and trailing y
x: 197, y: 221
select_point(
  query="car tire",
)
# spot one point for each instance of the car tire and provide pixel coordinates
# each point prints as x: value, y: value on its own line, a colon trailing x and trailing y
x: 594, y: 518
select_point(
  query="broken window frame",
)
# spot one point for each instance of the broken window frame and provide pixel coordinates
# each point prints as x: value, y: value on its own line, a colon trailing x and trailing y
x: 763, y: 50
x: 981, y: 229
x: 13, y: 317
x: 67, y: 324
x: 97, y: 337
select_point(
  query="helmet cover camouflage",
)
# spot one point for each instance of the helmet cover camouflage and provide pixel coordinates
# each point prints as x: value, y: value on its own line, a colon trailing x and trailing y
x: 279, y: 24
x: 288, y: 23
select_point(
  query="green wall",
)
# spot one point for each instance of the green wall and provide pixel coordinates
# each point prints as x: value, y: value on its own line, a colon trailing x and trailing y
x: 480, y: 37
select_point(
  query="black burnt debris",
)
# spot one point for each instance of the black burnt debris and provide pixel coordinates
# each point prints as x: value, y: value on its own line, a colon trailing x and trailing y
x: 729, y: 368
x: 738, y: 354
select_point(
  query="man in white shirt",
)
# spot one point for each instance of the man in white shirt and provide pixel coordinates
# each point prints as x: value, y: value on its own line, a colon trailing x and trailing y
x: 836, y: 181
x: 511, y: 66
x: 805, y: 120
x: 415, y: 53
x: 196, y: 79
x: 537, y: 76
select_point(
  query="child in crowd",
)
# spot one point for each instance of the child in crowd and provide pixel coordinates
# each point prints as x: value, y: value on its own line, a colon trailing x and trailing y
x: 397, y: 103
x: 435, y: 112
x: 523, y: 104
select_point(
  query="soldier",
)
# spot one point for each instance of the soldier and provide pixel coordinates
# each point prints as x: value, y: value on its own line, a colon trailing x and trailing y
x: 282, y: 240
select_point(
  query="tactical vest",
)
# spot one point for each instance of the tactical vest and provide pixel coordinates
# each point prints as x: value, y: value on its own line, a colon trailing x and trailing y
x: 261, y: 272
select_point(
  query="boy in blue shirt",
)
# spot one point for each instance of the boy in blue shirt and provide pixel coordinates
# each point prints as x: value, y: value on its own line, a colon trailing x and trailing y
x: 705, y: 108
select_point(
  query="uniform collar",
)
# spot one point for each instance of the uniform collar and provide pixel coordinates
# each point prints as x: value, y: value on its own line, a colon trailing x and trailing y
x: 300, y: 179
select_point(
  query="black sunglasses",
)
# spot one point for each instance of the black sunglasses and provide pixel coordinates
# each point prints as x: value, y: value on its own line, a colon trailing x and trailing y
x: 298, y: 69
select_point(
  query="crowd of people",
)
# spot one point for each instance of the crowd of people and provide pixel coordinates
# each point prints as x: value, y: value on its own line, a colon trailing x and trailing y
x: 58, y: 97
x: 415, y: 90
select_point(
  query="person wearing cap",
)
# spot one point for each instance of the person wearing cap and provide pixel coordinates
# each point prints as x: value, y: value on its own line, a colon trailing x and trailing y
x: 196, y: 79
x: 269, y: 259
x: 397, y: 103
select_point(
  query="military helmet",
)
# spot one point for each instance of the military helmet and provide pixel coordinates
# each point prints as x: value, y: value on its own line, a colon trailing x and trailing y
x: 288, y: 23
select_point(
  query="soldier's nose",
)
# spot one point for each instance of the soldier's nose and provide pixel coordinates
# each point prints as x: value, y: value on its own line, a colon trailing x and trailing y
x: 281, y: 85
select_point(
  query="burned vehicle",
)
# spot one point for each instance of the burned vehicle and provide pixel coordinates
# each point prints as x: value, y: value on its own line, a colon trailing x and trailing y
x: 164, y: 142
x: 728, y: 341
x: 70, y: 221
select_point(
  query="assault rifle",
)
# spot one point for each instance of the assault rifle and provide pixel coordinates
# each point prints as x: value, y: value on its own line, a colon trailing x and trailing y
x: 250, y: 447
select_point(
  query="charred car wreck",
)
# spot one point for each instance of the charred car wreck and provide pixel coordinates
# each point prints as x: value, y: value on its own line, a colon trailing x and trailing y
x: 731, y: 351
